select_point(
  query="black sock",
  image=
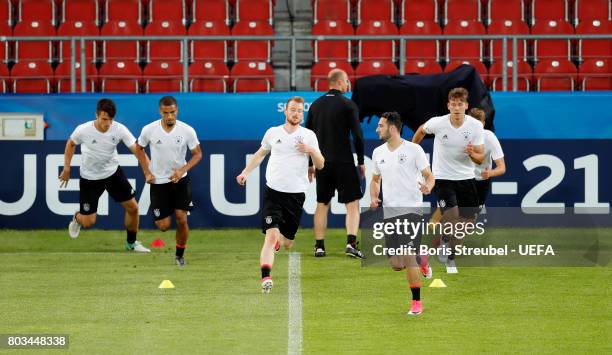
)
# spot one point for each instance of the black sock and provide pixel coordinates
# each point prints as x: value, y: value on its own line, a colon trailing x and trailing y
x: 180, y: 250
x: 265, y: 271
x: 131, y: 237
x: 416, y: 293
x: 320, y: 244
x: 351, y: 239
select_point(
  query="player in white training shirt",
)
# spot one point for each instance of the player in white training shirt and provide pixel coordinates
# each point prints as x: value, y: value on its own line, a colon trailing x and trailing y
x: 168, y: 140
x: 290, y: 147
x: 100, y: 171
x: 458, y: 146
x: 403, y: 168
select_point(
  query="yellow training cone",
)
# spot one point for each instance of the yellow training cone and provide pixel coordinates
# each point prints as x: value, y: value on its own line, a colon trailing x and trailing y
x: 166, y: 284
x: 434, y: 283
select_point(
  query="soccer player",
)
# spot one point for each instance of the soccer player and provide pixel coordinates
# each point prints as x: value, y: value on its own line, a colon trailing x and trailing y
x: 404, y: 170
x: 334, y: 118
x: 458, y: 147
x: 290, y: 146
x: 100, y: 171
x: 169, y: 139
x: 492, y: 153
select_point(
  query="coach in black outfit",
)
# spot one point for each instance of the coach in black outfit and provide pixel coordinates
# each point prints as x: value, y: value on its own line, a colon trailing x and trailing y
x: 333, y: 118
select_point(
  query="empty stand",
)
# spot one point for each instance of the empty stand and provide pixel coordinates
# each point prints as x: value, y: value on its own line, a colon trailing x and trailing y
x: 251, y: 76
x: 523, y: 71
x: 123, y: 10
x: 545, y: 10
x: 208, y: 50
x: 595, y: 74
x: 62, y: 77
x: 588, y: 10
x: 167, y: 10
x: 419, y: 10
x: 254, y: 10
x: 208, y: 76
x: 377, y: 49
x: 502, y: 10
x: 507, y: 27
x: 328, y: 49
x: 6, y: 15
x: 375, y: 67
x: 375, y: 10
x: 459, y: 10
x: 163, y: 76
x: 594, y: 48
x: 77, y: 28
x: 31, y: 77
x: 552, y: 49
x: 480, y: 68
x: 34, y: 50
x: 165, y: 50
x: 333, y: 10
x: 422, y: 67
x: 120, y: 76
x: 555, y: 75
x: 320, y: 70
x: 37, y: 10
x: 210, y: 10
x: 421, y: 49
x: 253, y: 50
x: 464, y: 49
x: 81, y: 11
x: 128, y: 50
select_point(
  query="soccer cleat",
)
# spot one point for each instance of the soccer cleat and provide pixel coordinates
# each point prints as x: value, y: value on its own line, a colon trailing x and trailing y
x: 137, y: 247
x: 276, y: 247
x: 354, y: 252
x: 442, y: 256
x: 426, y: 270
x: 180, y: 261
x: 416, y: 308
x: 451, y: 267
x: 266, y: 285
x: 74, y: 228
x: 319, y: 252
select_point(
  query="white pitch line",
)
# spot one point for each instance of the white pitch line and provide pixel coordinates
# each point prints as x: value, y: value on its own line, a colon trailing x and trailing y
x: 294, y: 295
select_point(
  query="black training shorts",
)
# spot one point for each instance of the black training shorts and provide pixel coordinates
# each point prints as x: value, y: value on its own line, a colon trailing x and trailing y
x: 338, y: 176
x: 117, y: 185
x: 282, y: 210
x: 168, y: 197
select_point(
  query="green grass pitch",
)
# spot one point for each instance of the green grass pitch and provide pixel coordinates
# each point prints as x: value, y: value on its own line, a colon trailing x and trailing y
x: 108, y: 300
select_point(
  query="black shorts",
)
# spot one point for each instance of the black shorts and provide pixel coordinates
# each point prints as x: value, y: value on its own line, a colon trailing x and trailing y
x: 282, y: 210
x: 117, y: 185
x: 461, y: 193
x: 168, y: 197
x: 482, y: 187
x: 338, y: 176
x: 404, y: 240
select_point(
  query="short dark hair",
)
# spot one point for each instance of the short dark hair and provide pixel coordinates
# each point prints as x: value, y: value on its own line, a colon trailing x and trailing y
x: 393, y: 118
x: 108, y: 106
x: 458, y: 93
x: 167, y: 101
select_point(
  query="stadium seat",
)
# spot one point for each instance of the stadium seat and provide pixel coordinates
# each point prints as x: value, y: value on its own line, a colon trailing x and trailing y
x: 37, y: 10
x: 480, y: 68
x: 552, y: 49
x: 30, y: 77
x: 594, y: 74
x: 470, y: 50
x: 419, y: 10
x: 254, y: 10
x: 588, y: 10
x: 4, y: 46
x: 34, y: 50
x: 594, y: 48
x: 121, y: 50
x: 6, y: 15
x: 331, y: 10
x: 80, y: 11
x: 4, y: 78
x: 163, y: 76
x: 165, y: 50
x: 523, y: 71
x: 421, y: 50
x: 377, y: 49
x: 120, y: 76
x: 208, y: 50
x: 251, y: 76
x: 328, y: 49
x: 375, y: 67
x: 62, y: 77
x: 546, y: 10
x: 77, y: 28
x: 320, y: 70
x: 502, y: 10
x: 123, y: 10
x: 422, y: 67
x: 509, y: 27
x: 210, y: 10
x: 167, y: 10
x: 375, y: 10
x: 555, y: 75
x: 208, y: 76
x: 252, y: 50
x: 462, y: 10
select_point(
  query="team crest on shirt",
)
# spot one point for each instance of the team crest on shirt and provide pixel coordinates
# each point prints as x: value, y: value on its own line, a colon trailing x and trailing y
x: 441, y: 203
x: 268, y: 219
x: 382, y: 161
x: 114, y: 139
x: 156, y: 212
x: 178, y: 140
x: 401, y: 158
x: 466, y: 135
x: 94, y: 141
x: 298, y: 139
x: 86, y: 207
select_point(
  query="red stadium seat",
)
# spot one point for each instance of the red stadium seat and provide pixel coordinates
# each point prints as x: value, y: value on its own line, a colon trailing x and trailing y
x: 480, y: 68
x: 37, y: 10
x: 594, y: 48
x: 459, y: 10
x: 208, y: 76
x: 4, y: 28
x: 210, y: 10
x: 523, y: 71
x: 4, y: 78
x: 545, y: 10
x: 595, y: 75
x: 6, y: 15
x: 375, y: 10
x: 252, y: 77
x: 254, y: 10
x: 123, y: 10
x: 120, y: 76
x: 419, y: 10
x: 375, y: 67
x: 509, y: 27
x: 62, y: 77
x: 587, y: 10
x: 328, y: 49
x: 31, y: 77
x: 331, y: 10
x: 167, y: 10
x: 559, y: 49
x: 422, y: 67
x: 252, y: 50
x: 502, y: 10
x: 163, y: 76
x: 427, y: 50
x: 209, y: 50
x: 81, y: 11
x: 34, y: 50
x: 77, y: 28
x: 377, y: 49
x: 320, y: 70
x: 165, y: 50
x: 121, y: 50
x: 555, y: 75
x: 470, y: 50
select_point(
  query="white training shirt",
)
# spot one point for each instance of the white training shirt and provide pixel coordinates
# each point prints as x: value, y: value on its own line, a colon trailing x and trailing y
x: 287, y: 169
x: 401, y: 171
x: 492, y: 151
x: 450, y: 161
x: 168, y: 149
x: 99, y: 158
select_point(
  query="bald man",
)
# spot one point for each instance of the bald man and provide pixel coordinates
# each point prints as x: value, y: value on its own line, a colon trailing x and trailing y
x: 334, y: 118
